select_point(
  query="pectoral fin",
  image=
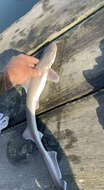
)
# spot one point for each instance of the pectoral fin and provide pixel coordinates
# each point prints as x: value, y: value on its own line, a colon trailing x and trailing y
x: 52, y: 76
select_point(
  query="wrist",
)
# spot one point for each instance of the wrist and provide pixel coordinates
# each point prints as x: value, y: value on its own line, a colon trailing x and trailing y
x: 11, y: 77
x: 5, y: 83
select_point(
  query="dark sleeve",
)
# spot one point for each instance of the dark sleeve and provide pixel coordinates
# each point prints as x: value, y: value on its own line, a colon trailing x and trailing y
x: 5, y: 83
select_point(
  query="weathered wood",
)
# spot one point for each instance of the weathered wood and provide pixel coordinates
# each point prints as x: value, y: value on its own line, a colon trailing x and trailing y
x: 79, y: 63
x: 21, y: 165
x: 45, y: 18
x: 77, y: 127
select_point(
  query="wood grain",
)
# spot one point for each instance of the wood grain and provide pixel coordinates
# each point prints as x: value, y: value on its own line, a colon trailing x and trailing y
x: 75, y: 131
x: 44, y: 20
x: 79, y: 129
x: 79, y: 63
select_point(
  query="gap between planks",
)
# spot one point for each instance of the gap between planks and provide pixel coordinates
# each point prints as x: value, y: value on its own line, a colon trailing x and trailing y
x: 92, y: 93
x: 58, y: 34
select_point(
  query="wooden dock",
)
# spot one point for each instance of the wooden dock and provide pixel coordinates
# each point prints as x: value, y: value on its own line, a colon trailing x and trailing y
x: 71, y: 113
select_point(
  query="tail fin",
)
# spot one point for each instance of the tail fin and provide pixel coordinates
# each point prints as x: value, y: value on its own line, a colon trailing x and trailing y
x: 53, y: 156
x: 62, y: 185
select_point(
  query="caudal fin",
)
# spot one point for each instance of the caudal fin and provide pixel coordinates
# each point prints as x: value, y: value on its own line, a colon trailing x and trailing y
x: 53, y: 156
x: 61, y: 184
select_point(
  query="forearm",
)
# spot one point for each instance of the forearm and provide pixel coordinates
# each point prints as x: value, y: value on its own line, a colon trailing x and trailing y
x: 5, y: 83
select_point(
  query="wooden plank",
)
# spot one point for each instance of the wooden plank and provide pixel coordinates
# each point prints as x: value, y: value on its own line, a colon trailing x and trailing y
x: 21, y: 166
x: 79, y: 129
x: 75, y: 132
x: 45, y: 19
x: 79, y: 63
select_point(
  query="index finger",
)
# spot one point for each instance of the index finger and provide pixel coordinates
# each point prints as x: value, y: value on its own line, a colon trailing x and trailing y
x: 31, y: 59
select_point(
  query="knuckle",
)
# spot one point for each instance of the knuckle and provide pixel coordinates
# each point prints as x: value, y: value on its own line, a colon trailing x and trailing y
x: 21, y: 55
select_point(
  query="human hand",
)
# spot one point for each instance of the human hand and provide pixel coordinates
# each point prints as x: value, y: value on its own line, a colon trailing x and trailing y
x: 21, y: 68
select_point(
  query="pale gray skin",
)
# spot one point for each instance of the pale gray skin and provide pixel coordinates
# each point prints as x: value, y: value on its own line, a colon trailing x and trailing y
x: 34, y: 89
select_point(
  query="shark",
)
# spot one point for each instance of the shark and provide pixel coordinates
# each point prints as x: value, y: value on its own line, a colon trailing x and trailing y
x: 34, y: 87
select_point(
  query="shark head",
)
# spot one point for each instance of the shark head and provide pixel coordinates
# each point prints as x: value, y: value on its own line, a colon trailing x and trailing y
x: 48, y: 57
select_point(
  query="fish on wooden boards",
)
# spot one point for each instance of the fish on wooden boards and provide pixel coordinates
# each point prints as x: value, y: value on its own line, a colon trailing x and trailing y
x: 34, y: 88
